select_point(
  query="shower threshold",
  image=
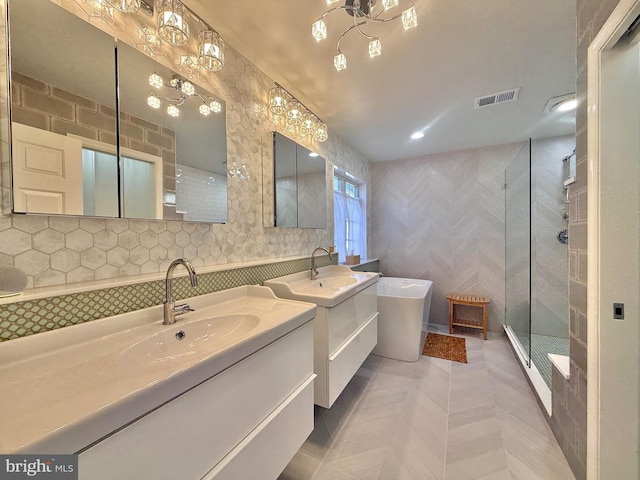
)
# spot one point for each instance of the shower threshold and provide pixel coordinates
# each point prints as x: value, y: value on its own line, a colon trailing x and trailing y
x: 535, y: 377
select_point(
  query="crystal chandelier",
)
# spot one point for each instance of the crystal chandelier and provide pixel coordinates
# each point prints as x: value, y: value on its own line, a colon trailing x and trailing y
x: 363, y: 12
x: 185, y: 90
x: 294, y: 118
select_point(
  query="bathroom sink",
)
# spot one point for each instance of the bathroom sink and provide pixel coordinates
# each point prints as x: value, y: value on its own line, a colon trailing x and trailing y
x: 191, y: 338
x: 65, y: 389
x: 334, y: 282
x: 333, y: 285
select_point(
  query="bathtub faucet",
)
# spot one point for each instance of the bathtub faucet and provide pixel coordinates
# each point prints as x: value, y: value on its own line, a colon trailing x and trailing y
x: 314, y: 270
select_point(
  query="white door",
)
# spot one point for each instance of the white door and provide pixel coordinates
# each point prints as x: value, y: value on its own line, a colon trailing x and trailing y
x: 47, y: 171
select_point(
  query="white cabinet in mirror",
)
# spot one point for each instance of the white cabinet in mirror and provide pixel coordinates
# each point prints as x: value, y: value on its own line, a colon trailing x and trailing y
x: 159, y: 158
x: 298, y: 195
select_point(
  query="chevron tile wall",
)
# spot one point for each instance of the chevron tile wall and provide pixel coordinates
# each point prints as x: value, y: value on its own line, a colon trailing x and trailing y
x: 441, y: 218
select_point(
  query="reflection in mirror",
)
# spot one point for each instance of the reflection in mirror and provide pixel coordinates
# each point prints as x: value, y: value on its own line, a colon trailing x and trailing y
x: 183, y: 127
x: 300, y: 185
x: 286, y: 201
x: 64, y: 126
x: 60, y: 86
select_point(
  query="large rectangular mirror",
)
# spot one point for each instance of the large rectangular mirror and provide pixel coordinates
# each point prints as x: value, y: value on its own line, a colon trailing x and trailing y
x: 65, y: 140
x: 300, y: 193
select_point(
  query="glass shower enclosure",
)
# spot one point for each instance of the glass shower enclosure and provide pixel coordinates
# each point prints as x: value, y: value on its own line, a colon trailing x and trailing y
x: 536, y: 254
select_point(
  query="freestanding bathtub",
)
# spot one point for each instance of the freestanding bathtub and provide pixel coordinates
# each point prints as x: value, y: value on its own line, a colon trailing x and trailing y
x: 403, y: 312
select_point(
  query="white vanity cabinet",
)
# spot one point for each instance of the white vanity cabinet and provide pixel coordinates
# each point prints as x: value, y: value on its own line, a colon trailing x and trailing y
x: 344, y: 336
x: 244, y: 423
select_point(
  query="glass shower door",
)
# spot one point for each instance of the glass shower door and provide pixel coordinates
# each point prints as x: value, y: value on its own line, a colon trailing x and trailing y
x: 518, y: 248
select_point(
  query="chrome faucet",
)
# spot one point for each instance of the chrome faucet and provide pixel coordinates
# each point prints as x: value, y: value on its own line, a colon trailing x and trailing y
x: 170, y: 307
x: 314, y: 270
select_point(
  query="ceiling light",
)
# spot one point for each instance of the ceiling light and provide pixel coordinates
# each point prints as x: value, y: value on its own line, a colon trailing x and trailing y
x: 417, y: 135
x: 183, y: 91
x: 565, y: 105
x: 561, y: 104
x: 172, y: 22
x: 313, y: 154
x: 153, y: 101
x: 375, y: 47
x: 364, y: 14
x: 277, y: 101
x: 210, y: 50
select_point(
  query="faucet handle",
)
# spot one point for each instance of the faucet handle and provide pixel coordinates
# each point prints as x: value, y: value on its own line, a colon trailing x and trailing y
x: 182, y: 309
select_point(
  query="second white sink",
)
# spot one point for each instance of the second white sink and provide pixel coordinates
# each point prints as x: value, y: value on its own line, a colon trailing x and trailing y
x: 333, y: 285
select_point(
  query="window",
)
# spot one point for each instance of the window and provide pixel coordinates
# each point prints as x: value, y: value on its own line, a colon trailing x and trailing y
x: 350, y: 217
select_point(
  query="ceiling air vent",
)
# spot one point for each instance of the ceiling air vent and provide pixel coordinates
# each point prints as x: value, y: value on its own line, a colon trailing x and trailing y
x: 495, y: 98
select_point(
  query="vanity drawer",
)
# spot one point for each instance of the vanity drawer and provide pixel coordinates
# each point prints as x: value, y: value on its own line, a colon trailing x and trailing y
x: 345, y: 362
x: 187, y: 436
x: 347, y: 317
x: 270, y: 447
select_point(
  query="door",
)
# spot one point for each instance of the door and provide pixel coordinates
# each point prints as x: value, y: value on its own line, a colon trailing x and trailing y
x: 47, y: 171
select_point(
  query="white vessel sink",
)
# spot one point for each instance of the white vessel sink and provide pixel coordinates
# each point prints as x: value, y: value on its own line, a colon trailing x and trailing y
x: 65, y: 389
x: 333, y: 285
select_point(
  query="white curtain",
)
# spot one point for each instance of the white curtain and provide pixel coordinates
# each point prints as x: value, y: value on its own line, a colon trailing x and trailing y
x: 350, y: 235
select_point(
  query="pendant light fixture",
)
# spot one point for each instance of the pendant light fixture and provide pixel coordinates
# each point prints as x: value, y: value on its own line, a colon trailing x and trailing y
x: 210, y: 50
x: 172, y: 22
x: 364, y: 13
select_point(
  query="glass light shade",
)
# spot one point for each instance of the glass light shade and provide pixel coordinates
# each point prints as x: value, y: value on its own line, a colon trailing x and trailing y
x: 277, y: 101
x: 216, y: 107
x: 375, y: 47
x: 340, y: 61
x: 294, y: 113
x: 187, y: 88
x: 153, y: 101
x: 308, y: 125
x: 172, y: 22
x: 210, y: 50
x: 409, y: 18
x: 173, y: 110
x: 155, y: 80
x: 320, y: 135
x: 319, y: 30
x: 126, y: 6
x: 387, y: 4
x: 204, y: 109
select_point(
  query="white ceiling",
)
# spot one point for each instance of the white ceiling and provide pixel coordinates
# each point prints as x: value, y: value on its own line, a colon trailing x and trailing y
x: 426, y: 78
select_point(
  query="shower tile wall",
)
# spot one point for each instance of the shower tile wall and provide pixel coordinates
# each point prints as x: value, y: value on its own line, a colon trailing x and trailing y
x: 441, y: 218
x: 85, y: 249
x: 549, y: 305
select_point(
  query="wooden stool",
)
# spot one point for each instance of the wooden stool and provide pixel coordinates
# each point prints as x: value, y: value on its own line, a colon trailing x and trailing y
x: 471, y: 301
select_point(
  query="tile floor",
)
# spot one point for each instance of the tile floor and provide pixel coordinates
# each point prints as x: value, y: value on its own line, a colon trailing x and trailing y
x: 434, y: 419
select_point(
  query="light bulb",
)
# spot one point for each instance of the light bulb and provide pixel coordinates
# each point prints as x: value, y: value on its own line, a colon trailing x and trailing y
x: 155, y: 80
x: 216, y: 107
x: 153, y: 101
x: 173, y: 110
x: 409, y: 18
x: 205, y: 110
x: 187, y: 88
x: 387, y: 4
x: 319, y: 30
x: 340, y: 61
x: 375, y: 47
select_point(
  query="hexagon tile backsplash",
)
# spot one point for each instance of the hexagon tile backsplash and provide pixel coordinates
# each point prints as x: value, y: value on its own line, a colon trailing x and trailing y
x: 35, y: 316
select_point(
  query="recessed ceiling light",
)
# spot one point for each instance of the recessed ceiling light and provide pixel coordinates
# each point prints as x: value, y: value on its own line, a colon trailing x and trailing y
x: 417, y: 135
x: 565, y: 105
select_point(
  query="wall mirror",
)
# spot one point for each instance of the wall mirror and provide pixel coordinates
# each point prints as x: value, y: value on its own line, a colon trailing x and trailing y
x: 299, y: 192
x: 65, y: 137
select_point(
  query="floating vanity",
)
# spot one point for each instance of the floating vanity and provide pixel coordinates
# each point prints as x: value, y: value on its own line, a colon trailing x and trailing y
x: 224, y: 393
x: 345, y: 329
